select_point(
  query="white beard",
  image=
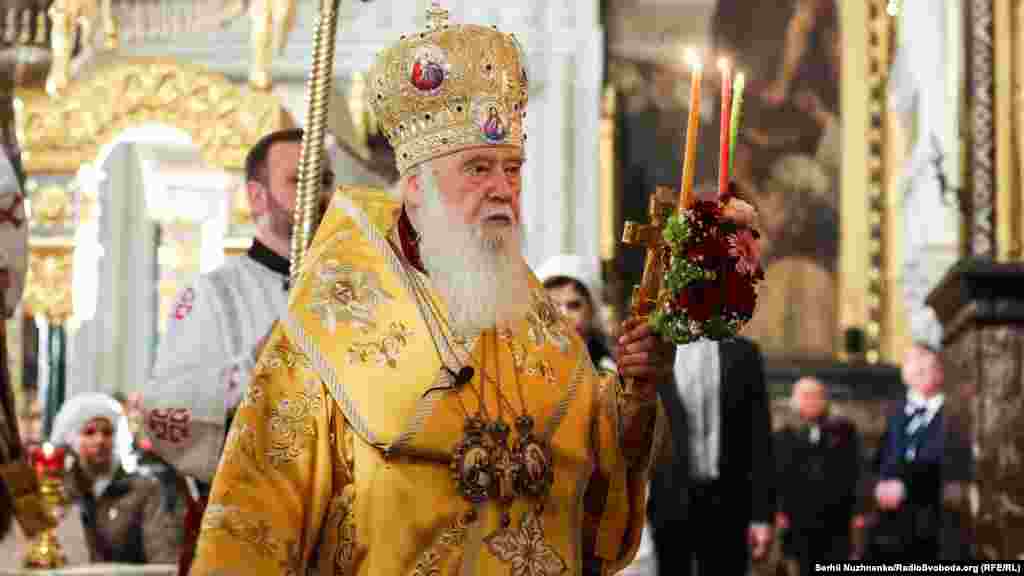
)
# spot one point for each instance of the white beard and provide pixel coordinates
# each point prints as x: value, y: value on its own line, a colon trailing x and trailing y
x: 480, y: 274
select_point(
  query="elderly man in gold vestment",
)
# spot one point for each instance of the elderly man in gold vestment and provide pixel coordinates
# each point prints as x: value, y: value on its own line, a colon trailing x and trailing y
x: 423, y: 408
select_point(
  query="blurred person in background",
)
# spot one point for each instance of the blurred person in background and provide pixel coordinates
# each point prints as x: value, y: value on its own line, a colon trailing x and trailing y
x: 123, y: 514
x: 920, y: 456
x: 577, y: 293
x: 818, y: 471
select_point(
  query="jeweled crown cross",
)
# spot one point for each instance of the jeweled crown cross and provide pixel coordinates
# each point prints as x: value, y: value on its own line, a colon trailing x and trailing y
x: 437, y: 16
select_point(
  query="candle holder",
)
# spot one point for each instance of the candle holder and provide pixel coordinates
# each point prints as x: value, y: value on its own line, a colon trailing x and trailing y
x: 703, y: 259
x: 45, y: 551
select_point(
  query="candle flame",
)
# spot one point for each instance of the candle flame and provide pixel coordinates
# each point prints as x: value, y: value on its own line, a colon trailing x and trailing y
x: 723, y: 63
x: 47, y: 449
x: 693, y: 59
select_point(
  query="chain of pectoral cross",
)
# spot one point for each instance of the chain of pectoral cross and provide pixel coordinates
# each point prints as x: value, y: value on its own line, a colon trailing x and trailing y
x: 509, y: 467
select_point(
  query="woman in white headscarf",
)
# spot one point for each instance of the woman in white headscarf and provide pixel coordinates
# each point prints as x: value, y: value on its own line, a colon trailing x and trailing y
x: 124, y: 515
x: 576, y: 291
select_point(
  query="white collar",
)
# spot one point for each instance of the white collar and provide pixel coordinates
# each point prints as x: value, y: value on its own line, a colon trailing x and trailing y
x: 931, y: 405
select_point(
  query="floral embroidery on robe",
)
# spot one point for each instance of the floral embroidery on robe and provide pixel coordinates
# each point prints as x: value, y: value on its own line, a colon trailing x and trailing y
x: 288, y: 420
x: 525, y: 550
x: 546, y: 323
x: 382, y: 352
x: 280, y: 356
x: 243, y: 527
x: 342, y: 521
x: 343, y: 294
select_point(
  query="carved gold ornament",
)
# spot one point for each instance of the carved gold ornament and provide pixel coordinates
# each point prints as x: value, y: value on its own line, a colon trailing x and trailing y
x: 71, y: 19
x: 58, y: 135
x: 48, y: 287
x: 51, y: 206
x: 23, y: 27
x: 271, y: 21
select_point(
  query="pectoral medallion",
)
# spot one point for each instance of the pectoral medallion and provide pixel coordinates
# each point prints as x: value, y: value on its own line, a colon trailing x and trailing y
x: 484, y: 467
x: 534, y: 473
x: 472, y: 463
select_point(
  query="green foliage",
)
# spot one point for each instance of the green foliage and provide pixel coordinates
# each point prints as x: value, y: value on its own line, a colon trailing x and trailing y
x: 672, y: 327
x: 676, y: 233
x: 671, y: 320
x: 681, y: 273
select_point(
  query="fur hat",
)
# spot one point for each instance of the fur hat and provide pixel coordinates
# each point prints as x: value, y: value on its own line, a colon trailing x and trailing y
x: 78, y: 411
x: 574, y: 267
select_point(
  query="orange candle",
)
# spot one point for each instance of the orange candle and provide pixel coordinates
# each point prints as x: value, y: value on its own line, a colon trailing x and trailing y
x: 692, y: 127
x: 726, y: 116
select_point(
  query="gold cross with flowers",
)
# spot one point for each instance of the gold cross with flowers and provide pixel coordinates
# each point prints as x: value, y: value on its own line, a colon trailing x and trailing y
x: 649, y: 236
x: 645, y: 295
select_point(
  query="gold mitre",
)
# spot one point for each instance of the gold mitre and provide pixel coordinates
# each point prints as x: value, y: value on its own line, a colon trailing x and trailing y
x: 449, y: 88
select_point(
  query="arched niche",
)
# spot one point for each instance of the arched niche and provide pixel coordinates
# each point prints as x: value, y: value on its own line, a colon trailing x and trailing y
x: 224, y: 120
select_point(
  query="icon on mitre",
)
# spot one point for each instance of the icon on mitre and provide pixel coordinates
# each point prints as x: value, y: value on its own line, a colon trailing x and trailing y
x: 487, y: 113
x: 494, y: 128
x: 428, y: 69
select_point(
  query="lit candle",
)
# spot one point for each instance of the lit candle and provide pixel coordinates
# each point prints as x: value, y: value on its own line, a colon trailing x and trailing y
x: 724, y: 133
x: 48, y: 458
x: 692, y: 126
x: 737, y: 114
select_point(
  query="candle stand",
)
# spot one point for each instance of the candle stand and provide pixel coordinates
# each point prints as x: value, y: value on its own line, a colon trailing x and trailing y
x: 45, y: 551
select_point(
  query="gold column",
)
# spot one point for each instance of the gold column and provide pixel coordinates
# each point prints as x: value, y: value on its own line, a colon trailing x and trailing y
x: 896, y: 331
x: 868, y: 294
x: 854, y: 229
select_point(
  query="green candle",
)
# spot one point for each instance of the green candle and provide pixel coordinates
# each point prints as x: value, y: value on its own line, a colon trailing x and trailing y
x: 734, y: 121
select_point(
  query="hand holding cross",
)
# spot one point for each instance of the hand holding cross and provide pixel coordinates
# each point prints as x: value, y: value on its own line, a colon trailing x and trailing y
x: 645, y: 295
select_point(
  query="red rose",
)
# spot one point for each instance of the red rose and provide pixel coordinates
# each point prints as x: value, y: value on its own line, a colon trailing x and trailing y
x: 703, y: 300
x: 708, y: 251
x: 683, y: 300
x: 708, y: 211
x: 739, y: 292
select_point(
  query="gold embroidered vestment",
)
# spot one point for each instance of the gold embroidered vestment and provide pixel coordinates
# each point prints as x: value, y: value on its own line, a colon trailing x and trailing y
x: 339, y: 456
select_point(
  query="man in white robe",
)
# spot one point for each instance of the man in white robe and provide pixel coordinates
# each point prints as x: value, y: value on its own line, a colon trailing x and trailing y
x: 218, y: 322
